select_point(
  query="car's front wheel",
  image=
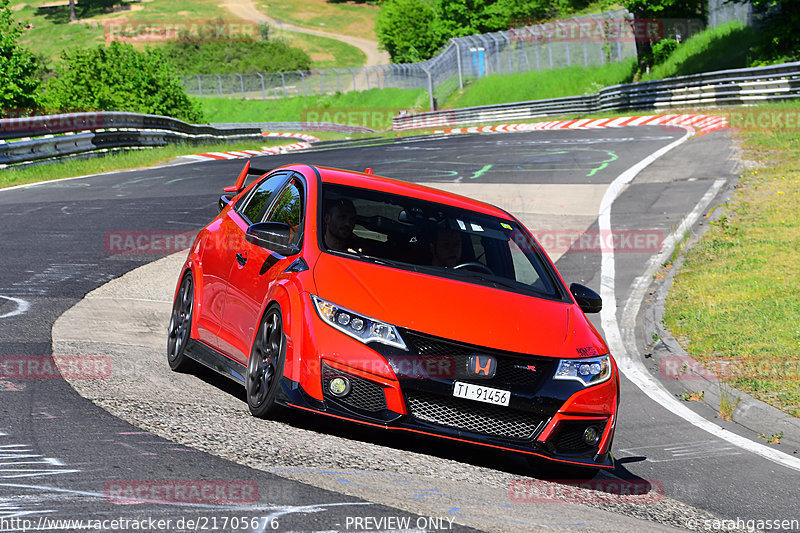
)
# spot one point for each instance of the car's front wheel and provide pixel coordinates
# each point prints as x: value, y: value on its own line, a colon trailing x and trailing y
x: 180, y: 325
x: 265, y: 368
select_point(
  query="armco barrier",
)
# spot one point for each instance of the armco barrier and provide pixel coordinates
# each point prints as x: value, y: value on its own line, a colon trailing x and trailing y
x: 36, y: 138
x: 727, y: 87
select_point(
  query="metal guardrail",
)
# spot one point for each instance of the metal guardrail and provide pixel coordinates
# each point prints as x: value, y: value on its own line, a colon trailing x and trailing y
x: 726, y: 87
x: 296, y: 126
x: 51, y: 136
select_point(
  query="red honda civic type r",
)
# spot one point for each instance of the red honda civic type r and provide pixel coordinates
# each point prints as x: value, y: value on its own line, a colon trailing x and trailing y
x: 397, y: 306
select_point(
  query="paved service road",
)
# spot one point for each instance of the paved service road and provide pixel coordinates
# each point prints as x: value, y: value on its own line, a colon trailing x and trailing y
x: 56, y: 248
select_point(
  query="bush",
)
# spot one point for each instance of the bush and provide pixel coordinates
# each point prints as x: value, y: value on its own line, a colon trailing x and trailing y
x: 410, y: 30
x: 662, y: 50
x: 118, y: 78
x: 229, y: 57
x: 19, y: 68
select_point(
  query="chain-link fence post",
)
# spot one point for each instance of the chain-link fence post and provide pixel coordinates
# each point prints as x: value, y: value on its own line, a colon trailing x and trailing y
x: 241, y: 84
x: 263, y: 87
x: 458, y: 64
x: 430, y: 87
x: 283, y: 83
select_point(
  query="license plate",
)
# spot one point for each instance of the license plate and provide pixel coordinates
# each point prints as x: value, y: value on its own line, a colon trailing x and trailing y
x: 481, y: 394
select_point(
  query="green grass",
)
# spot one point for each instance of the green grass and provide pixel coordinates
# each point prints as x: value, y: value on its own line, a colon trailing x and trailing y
x: 52, y: 32
x: 324, y: 52
x: 357, y: 20
x: 373, y: 109
x: 535, y: 85
x: 736, y: 295
x: 125, y: 160
x: 724, y: 47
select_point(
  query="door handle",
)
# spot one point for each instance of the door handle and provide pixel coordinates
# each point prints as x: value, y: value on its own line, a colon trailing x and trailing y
x: 241, y: 259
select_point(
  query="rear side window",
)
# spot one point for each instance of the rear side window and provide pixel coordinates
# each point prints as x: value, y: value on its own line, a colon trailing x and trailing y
x: 255, y: 205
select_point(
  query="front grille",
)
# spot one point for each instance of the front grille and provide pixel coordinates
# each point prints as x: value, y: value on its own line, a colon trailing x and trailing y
x: 511, y: 370
x: 364, y: 394
x: 569, y: 436
x: 472, y: 416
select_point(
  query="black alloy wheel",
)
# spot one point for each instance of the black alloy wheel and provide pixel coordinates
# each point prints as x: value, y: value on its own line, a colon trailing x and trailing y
x: 180, y: 326
x: 265, y: 368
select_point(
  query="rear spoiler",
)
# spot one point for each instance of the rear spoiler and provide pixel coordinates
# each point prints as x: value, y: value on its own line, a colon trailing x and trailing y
x: 239, y: 185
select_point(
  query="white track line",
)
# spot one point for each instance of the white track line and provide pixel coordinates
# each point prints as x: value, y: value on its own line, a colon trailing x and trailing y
x: 624, y: 347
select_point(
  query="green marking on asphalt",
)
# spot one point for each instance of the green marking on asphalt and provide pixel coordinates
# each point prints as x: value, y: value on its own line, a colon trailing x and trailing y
x: 479, y: 173
x: 603, y: 164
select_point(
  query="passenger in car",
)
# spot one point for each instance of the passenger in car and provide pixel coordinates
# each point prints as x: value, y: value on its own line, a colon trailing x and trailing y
x: 446, y: 248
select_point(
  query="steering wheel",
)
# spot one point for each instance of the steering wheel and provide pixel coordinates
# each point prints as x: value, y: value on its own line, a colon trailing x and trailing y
x: 476, y: 265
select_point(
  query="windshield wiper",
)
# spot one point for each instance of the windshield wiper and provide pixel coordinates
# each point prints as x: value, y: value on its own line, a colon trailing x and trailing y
x: 493, y: 280
x: 370, y: 258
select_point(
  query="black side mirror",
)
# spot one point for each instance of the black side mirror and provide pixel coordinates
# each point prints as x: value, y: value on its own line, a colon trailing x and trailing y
x: 224, y: 200
x: 275, y: 236
x: 588, y: 300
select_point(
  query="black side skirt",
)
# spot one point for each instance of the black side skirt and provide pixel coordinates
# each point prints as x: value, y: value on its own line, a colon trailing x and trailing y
x: 211, y: 358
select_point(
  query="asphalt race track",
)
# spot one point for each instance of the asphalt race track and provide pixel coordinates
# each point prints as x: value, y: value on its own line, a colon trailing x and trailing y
x: 61, y: 455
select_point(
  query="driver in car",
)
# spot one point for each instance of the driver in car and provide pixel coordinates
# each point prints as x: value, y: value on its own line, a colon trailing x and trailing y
x: 340, y: 219
x: 446, y: 248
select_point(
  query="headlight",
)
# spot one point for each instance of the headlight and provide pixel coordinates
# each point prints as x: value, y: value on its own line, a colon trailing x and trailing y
x: 589, y: 371
x: 359, y: 327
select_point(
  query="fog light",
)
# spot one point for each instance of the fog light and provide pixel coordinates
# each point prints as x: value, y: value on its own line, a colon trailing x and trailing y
x: 591, y: 436
x: 339, y: 387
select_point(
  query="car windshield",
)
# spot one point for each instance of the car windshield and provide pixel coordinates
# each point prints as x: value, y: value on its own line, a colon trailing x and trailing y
x: 434, y: 238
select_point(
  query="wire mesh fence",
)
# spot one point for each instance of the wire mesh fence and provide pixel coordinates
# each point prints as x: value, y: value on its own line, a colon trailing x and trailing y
x: 589, y: 40
x: 723, y: 11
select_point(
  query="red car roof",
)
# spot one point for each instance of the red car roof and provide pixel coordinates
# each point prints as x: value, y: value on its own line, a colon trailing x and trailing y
x: 403, y: 188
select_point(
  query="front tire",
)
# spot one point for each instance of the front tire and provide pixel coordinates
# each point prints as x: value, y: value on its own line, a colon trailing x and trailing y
x: 265, y: 367
x: 180, y: 326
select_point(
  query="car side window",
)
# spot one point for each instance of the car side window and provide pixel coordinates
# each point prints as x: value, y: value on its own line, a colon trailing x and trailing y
x: 289, y: 208
x: 254, y: 207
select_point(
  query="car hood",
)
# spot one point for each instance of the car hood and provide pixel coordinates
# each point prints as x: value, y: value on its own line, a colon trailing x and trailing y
x: 456, y: 310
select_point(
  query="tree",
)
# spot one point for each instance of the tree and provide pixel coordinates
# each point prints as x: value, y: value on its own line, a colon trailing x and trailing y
x: 468, y: 17
x: 662, y: 10
x: 781, y: 21
x: 19, y: 68
x: 410, y: 30
x: 118, y: 78
x: 72, y: 17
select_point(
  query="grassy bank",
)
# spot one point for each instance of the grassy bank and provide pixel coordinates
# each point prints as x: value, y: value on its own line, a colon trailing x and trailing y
x: 373, y: 109
x: 535, y: 85
x: 724, y: 47
x: 735, y: 297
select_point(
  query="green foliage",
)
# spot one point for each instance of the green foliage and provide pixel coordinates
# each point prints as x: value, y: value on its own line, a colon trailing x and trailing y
x: 118, y: 78
x: 468, y: 17
x: 263, y: 31
x: 780, y: 38
x: 663, y: 49
x: 724, y: 47
x: 19, y: 68
x: 228, y: 57
x: 667, y: 8
x: 662, y: 9
x: 410, y: 30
